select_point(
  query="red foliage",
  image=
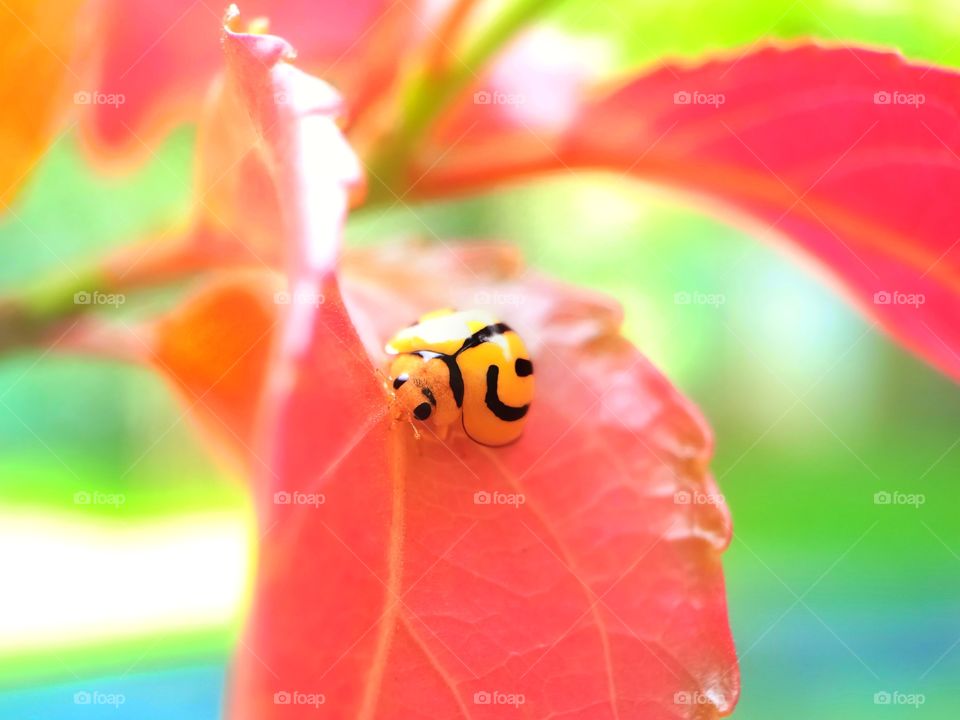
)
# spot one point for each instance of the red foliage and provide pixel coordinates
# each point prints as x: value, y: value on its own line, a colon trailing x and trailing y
x: 851, y: 155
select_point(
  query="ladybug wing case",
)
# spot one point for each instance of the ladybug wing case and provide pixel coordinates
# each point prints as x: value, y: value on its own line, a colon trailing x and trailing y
x: 498, y: 389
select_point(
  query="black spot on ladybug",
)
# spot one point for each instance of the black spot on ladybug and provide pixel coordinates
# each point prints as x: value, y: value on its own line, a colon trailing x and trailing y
x: 428, y: 394
x: 483, y: 335
x: 422, y: 411
x: 523, y: 367
x: 400, y: 380
x: 456, y: 378
x: 505, y: 412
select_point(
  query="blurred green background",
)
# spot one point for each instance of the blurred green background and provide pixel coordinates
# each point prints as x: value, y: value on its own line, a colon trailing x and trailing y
x: 833, y: 598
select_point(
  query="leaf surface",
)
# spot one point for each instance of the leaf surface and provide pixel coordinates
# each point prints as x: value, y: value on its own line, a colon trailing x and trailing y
x: 388, y: 585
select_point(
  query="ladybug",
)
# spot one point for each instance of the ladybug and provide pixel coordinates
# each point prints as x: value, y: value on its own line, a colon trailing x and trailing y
x: 464, y: 367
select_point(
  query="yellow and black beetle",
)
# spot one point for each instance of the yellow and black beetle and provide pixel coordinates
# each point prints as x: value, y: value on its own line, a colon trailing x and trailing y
x: 463, y: 366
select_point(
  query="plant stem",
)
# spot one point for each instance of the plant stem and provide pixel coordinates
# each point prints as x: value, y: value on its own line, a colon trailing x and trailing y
x: 430, y: 89
x: 28, y: 318
x: 31, y: 316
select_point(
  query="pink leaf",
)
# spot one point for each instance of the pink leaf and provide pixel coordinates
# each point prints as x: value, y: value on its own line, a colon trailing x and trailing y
x: 850, y: 154
x: 589, y: 587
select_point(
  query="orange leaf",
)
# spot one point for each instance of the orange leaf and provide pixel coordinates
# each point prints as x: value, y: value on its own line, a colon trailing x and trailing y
x: 38, y: 42
x: 216, y: 347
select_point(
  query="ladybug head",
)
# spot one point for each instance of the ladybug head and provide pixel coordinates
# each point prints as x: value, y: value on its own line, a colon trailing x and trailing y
x: 422, y: 390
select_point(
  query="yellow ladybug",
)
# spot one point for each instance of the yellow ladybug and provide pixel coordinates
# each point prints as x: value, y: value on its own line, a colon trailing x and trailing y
x: 463, y: 366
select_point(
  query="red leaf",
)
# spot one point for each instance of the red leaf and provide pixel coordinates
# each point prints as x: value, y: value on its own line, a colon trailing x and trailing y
x: 399, y: 596
x: 849, y: 153
x: 399, y: 593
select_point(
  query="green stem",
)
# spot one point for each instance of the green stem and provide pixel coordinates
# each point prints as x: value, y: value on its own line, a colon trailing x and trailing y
x: 35, y: 315
x: 29, y: 317
x: 430, y: 91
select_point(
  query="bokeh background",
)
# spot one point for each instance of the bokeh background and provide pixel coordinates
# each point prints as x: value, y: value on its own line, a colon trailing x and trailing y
x: 833, y: 597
